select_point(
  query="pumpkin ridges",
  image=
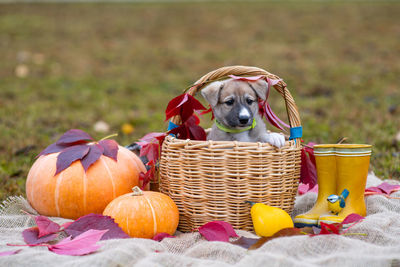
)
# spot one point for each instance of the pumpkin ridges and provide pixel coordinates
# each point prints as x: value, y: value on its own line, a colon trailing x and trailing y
x: 127, y: 168
x: 110, y: 175
x: 84, y: 182
x: 72, y: 181
x: 41, y: 184
x: 141, y: 215
x: 138, y: 163
x: 164, y: 205
x: 153, y: 214
x: 33, y: 173
x: 57, y: 193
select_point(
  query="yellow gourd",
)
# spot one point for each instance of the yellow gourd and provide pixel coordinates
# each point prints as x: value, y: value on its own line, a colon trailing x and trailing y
x: 268, y: 220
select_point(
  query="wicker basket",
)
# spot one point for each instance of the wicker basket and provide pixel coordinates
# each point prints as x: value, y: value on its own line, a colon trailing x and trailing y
x: 211, y: 180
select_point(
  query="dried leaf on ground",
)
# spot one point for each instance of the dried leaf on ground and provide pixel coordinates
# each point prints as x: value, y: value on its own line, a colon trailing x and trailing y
x: 217, y: 231
x: 96, y: 222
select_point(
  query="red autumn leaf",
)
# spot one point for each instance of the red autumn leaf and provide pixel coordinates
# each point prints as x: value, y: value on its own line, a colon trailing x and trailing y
x: 352, y: 218
x: 10, y: 252
x: 208, y: 111
x: 160, y: 236
x: 183, y: 105
x: 96, y: 222
x: 281, y: 233
x: 373, y: 190
x: 151, y: 151
x: 150, y: 137
x: 217, y: 231
x: 149, y: 175
x: 31, y: 236
x: 92, y: 156
x: 83, y: 244
x: 73, y: 136
x: 388, y: 188
x: 309, y: 148
x: 190, y: 130
x: 304, y: 188
x: 382, y: 189
x: 333, y: 228
x: 70, y: 155
x: 46, y: 226
x: 308, y: 172
x: 110, y: 148
x: 272, y: 117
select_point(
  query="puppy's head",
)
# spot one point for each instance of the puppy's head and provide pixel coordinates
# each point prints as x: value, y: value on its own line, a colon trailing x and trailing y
x: 234, y: 102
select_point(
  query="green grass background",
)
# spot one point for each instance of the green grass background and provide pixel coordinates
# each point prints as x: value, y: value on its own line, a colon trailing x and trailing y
x: 122, y: 63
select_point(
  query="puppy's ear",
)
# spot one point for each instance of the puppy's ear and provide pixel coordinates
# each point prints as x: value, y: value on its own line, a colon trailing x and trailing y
x: 212, y: 91
x: 260, y: 87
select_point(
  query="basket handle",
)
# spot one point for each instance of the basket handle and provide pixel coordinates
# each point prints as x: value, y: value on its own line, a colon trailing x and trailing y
x: 222, y: 73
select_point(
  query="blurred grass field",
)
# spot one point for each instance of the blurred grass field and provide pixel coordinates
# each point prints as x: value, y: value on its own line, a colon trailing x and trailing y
x: 66, y: 66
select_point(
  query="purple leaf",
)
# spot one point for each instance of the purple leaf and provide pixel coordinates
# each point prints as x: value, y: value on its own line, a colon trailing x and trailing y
x: 65, y: 225
x: 46, y: 226
x: 96, y: 222
x: 160, y: 236
x: 69, y: 155
x: 83, y: 244
x: 73, y: 136
x: 110, y: 148
x: 245, y: 242
x: 352, y: 218
x: 10, y: 252
x: 53, y: 148
x: 31, y: 236
x: 94, y: 154
x: 388, y: 188
x: 217, y: 231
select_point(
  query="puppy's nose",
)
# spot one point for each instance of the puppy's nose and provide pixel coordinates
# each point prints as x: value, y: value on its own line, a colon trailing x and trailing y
x: 243, y: 119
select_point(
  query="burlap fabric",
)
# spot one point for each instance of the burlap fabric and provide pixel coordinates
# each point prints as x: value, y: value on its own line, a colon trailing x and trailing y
x: 380, y: 246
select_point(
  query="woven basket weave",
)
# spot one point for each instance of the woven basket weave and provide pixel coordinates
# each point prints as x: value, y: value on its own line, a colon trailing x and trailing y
x: 210, y: 180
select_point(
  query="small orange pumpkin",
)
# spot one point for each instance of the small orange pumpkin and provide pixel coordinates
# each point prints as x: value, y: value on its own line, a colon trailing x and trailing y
x: 73, y: 192
x: 143, y: 214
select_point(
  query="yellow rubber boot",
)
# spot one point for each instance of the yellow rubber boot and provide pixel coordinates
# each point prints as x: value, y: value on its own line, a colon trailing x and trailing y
x: 352, y: 163
x: 326, y: 176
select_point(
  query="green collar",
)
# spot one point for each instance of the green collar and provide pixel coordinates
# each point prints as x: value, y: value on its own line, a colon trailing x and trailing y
x: 230, y: 130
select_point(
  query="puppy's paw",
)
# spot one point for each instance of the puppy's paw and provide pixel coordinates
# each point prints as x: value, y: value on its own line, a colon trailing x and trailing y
x: 276, y: 139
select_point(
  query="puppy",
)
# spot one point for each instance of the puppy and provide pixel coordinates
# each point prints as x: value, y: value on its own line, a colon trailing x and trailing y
x: 235, y: 107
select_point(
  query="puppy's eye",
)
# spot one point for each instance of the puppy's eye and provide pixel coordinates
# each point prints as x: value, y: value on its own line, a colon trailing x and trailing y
x: 249, y: 101
x: 230, y: 102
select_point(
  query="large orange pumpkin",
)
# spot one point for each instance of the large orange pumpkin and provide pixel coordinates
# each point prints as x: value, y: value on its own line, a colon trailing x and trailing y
x: 144, y: 214
x: 73, y: 192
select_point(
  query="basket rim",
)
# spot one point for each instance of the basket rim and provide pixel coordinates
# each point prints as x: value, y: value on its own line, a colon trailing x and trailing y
x: 221, y: 144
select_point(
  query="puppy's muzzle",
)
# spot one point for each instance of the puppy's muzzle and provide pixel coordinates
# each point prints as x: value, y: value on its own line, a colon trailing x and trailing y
x: 244, y: 116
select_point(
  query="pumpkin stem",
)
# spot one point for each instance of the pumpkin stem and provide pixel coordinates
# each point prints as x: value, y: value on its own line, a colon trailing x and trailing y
x: 108, y: 136
x: 137, y: 191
